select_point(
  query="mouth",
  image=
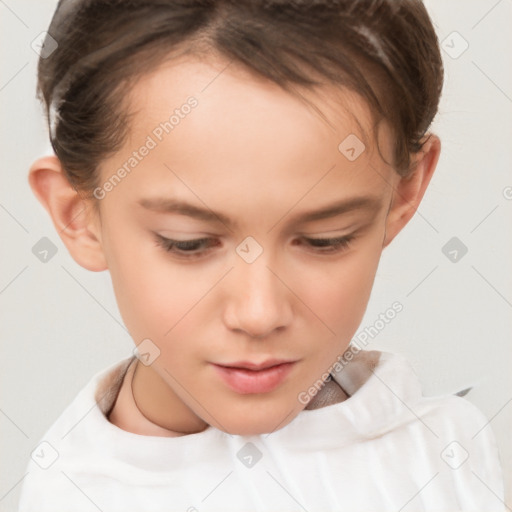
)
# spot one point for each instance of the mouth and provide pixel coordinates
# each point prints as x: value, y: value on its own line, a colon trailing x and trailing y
x: 246, y: 377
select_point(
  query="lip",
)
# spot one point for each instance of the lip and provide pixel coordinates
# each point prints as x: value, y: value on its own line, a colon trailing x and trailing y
x: 245, y: 377
x: 248, y: 365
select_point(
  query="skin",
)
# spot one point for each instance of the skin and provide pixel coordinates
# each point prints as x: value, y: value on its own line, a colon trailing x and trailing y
x: 261, y: 157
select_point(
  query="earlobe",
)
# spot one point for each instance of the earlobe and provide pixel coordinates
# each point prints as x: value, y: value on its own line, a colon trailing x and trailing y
x: 74, y: 217
x: 409, y: 190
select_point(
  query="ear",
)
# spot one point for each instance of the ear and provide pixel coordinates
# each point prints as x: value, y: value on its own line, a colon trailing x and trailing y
x: 408, y: 191
x: 74, y: 217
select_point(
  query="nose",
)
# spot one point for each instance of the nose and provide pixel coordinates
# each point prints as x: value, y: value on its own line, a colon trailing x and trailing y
x: 258, y: 302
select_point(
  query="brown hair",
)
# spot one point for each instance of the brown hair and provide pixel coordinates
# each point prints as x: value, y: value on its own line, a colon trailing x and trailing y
x: 385, y: 50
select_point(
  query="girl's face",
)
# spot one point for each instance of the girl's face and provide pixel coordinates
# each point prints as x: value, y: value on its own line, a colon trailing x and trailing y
x: 249, y: 183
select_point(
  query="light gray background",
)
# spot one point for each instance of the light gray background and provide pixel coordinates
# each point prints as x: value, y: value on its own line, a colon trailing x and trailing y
x: 60, y: 323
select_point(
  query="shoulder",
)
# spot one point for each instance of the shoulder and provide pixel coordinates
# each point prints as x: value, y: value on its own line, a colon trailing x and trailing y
x: 444, y: 437
x: 463, y: 446
x: 444, y: 416
x: 69, y: 439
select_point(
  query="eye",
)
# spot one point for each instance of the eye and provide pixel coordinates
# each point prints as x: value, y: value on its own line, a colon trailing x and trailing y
x: 329, y: 245
x: 198, y: 247
x: 186, y: 248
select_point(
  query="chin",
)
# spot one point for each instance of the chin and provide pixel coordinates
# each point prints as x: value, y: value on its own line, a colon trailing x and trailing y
x: 253, y: 424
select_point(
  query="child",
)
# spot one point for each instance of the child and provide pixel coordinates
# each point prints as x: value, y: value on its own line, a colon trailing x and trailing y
x: 238, y: 166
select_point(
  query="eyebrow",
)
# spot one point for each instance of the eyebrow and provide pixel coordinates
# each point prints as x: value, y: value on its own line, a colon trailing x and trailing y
x: 180, y: 207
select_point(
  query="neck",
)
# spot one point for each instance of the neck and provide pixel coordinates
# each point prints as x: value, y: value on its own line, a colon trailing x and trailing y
x: 159, y: 405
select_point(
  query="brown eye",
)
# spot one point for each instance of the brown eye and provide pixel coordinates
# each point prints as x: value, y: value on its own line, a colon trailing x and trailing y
x: 186, y: 248
x: 329, y: 245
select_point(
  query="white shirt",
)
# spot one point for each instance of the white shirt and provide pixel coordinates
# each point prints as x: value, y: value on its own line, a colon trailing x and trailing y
x: 385, y: 448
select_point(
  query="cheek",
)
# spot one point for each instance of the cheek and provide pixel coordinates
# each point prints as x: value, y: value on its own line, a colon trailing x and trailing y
x: 153, y: 295
x: 158, y: 300
x: 338, y: 292
x: 339, y: 298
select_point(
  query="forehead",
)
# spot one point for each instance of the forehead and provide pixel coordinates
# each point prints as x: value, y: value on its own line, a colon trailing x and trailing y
x: 233, y: 98
x: 245, y: 130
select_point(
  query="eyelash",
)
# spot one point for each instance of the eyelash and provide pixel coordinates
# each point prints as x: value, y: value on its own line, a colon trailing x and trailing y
x: 188, y: 248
